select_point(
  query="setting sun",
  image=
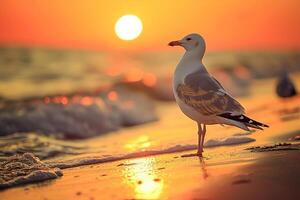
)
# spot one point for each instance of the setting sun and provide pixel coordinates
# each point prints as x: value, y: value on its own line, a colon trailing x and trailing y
x: 128, y: 27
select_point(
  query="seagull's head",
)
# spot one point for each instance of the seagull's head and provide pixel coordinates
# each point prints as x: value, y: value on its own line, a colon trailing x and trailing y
x: 191, y: 42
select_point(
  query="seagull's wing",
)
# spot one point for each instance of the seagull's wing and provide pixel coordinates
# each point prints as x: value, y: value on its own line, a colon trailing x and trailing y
x: 206, y: 95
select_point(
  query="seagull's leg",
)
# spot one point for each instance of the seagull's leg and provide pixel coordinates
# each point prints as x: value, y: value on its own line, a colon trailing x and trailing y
x: 203, y: 135
x: 200, y: 142
x: 200, y: 148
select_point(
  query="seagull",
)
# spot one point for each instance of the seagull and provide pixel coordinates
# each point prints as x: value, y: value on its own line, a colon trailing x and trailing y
x: 201, y: 97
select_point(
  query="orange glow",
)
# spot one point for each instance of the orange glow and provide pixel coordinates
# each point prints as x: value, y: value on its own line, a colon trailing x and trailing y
x: 134, y: 75
x: 86, y: 101
x: 114, y: 71
x: 59, y: 100
x: 228, y: 24
x: 64, y: 100
x: 149, y: 79
x: 113, y: 95
x: 56, y: 100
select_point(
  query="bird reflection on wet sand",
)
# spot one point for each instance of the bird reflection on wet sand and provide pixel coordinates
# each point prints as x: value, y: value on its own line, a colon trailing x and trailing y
x: 205, y: 174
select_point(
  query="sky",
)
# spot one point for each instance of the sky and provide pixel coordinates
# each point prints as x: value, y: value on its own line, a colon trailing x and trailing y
x: 89, y: 24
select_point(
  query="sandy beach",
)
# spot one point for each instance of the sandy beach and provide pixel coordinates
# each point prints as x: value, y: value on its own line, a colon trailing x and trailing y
x: 230, y: 175
x: 265, y: 167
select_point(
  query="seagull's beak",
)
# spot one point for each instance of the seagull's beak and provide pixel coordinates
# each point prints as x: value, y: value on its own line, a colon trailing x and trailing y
x: 175, y: 43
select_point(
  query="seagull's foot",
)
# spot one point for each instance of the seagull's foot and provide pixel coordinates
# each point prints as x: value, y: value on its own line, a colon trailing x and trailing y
x: 198, y: 154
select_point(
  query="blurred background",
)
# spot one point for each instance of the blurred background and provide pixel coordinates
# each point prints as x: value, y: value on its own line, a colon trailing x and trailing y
x: 68, y: 69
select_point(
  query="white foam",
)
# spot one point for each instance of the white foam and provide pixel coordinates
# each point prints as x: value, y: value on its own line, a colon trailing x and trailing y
x: 228, y: 141
x: 177, y: 148
x: 104, y: 159
x: 23, y: 169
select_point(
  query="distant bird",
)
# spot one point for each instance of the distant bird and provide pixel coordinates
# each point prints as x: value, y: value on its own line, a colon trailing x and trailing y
x: 285, y: 86
x: 200, y: 96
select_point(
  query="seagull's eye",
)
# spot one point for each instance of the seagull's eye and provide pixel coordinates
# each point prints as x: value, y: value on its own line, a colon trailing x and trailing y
x: 188, y: 39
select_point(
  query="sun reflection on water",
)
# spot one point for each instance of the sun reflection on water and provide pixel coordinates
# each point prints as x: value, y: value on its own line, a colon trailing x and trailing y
x: 141, y: 175
x: 141, y: 143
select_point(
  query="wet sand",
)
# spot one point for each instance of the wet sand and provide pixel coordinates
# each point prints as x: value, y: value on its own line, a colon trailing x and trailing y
x: 268, y: 175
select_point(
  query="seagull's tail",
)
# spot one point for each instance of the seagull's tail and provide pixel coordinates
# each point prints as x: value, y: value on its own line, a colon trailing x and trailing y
x: 243, y: 121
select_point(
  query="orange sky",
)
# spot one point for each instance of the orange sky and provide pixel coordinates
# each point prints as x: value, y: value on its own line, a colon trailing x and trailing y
x: 226, y: 24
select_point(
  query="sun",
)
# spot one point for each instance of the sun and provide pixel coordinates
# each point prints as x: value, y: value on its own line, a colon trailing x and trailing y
x: 128, y: 27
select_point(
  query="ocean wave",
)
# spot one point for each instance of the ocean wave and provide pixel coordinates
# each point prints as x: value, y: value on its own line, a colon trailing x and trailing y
x: 41, y: 146
x: 76, y: 116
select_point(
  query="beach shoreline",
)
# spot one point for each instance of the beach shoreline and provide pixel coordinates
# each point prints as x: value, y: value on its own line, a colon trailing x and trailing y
x: 259, y: 175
